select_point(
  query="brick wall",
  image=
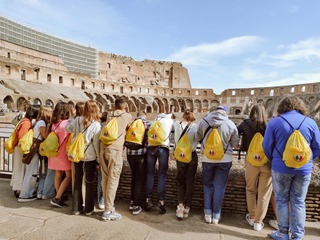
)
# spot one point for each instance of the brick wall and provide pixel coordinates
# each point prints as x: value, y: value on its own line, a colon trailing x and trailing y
x: 235, y: 194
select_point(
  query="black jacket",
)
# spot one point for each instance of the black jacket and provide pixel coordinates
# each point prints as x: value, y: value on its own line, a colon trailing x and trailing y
x: 246, y: 130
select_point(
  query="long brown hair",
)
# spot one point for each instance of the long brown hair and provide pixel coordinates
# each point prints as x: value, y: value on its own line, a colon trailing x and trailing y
x: 188, y: 116
x: 60, y: 112
x: 45, y: 114
x: 79, y: 109
x: 258, y: 117
x: 292, y: 103
x: 91, y: 112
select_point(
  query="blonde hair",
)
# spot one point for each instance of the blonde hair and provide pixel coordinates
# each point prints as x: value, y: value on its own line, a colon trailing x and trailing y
x: 91, y: 113
x: 45, y: 114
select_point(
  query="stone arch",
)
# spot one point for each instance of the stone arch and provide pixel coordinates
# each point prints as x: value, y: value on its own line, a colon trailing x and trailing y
x: 131, y: 105
x: 160, y: 105
x: 143, y: 100
x: 9, y: 101
x: 269, y: 103
x: 166, y: 105
x: 260, y: 101
x: 182, y: 105
x: 155, y: 107
x: 205, y: 105
x: 49, y: 103
x: 214, y: 104
x: 189, y: 104
x: 174, y: 106
x: 20, y: 102
x: 110, y: 98
x: 197, y: 106
x: 310, y: 99
x: 149, y: 109
x: 37, y: 101
x: 237, y: 111
x: 89, y: 95
x: 136, y: 102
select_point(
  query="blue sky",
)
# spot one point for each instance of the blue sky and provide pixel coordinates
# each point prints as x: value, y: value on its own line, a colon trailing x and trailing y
x: 224, y: 44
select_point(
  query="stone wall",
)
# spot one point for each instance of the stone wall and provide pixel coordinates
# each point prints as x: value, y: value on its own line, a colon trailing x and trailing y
x: 235, y: 194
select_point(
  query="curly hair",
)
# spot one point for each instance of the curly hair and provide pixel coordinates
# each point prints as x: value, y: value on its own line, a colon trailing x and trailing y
x: 292, y: 103
x: 60, y: 112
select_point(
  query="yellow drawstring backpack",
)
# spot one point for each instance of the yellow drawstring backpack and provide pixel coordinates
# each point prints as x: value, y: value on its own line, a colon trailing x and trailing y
x: 214, y: 147
x: 50, y: 146
x: 26, y: 142
x: 135, y: 135
x: 69, y: 142
x: 9, y: 143
x: 255, y: 155
x: 157, y: 134
x: 77, y: 148
x: 183, y: 150
x: 109, y: 133
x: 297, y: 151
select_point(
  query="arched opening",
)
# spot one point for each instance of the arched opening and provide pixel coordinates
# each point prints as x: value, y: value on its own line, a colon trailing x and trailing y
x: 9, y: 101
x: 160, y: 105
x: 213, y: 105
x: 37, y: 101
x: 20, y: 103
x: 155, y: 107
x: 89, y: 95
x: 197, y: 106
x: 49, y: 103
x: 205, y: 105
x: 149, y: 109
x: 182, y: 105
x: 166, y: 105
x: 238, y: 112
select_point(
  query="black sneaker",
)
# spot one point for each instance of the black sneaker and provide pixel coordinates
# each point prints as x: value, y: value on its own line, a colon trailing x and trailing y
x: 64, y: 198
x: 29, y: 199
x: 162, y: 210
x: 16, y: 194
x: 136, y: 210
x: 131, y: 206
x: 149, y: 205
x: 58, y: 203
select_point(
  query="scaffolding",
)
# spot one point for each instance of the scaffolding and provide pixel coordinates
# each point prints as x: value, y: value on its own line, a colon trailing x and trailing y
x: 76, y: 57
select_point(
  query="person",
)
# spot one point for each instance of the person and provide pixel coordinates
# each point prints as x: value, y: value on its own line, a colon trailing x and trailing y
x: 186, y: 172
x: 138, y: 163
x: 103, y: 121
x: 215, y: 172
x: 89, y: 126
x: 21, y: 113
x: 160, y: 153
x: 112, y: 160
x: 256, y: 123
x: 60, y: 163
x: 30, y: 178
x: 18, y: 167
x: 290, y: 184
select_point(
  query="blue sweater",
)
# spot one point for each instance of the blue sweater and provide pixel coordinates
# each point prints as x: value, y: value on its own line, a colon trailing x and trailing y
x: 277, y: 134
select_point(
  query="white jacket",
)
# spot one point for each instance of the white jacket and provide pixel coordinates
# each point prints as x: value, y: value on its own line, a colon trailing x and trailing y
x: 91, y: 135
x: 178, y: 129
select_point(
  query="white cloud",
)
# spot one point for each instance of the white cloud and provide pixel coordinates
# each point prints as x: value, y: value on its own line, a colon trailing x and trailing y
x: 206, y: 54
x: 293, y: 9
x: 249, y: 74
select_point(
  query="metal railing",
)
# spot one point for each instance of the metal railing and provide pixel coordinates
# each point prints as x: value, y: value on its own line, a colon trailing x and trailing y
x: 6, y: 160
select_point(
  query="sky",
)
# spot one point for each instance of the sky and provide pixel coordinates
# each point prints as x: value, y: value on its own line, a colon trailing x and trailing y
x: 224, y: 44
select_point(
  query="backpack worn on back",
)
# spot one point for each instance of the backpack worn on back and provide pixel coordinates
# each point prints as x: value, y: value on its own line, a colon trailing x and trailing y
x: 109, y: 133
x: 183, y: 150
x: 69, y: 142
x: 26, y: 142
x: 77, y: 148
x: 135, y: 135
x: 297, y: 151
x: 50, y: 146
x: 255, y: 153
x: 214, y: 147
x: 9, y: 143
x: 157, y: 134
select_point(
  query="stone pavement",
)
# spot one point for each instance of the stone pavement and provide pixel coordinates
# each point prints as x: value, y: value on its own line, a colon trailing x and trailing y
x: 40, y: 220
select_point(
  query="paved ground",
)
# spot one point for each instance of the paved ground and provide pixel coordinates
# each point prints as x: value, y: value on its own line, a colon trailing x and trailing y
x: 39, y: 220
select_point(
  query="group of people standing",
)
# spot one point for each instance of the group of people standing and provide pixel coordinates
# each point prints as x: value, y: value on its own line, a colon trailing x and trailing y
x: 289, y: 185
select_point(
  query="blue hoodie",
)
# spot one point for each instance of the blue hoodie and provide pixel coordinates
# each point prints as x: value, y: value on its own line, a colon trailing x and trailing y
x: 277, y: 134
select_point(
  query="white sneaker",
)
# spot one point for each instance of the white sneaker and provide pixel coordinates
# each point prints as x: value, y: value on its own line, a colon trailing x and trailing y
x: 186, y: 212
x: 179, y: 212
x: 111, y: 216
x: 258, y: 226
x: 39, y: 196
x: 274, y: 224
x: 216, y: 220
x: 250, y: 221
x: 208, y: 218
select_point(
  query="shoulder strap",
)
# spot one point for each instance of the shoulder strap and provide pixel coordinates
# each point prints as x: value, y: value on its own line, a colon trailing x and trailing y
x: 184, y: 130
x: 57, y: 126
x: 205, y: 133
x: 290, y: 123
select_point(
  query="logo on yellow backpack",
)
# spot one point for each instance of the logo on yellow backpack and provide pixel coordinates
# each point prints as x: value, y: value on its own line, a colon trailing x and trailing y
x: 109, y: 133
x: 211, y: 152
x: 214, y: 148
x: 106, y: 134
x: 154, y: 136
x: 255, y: 155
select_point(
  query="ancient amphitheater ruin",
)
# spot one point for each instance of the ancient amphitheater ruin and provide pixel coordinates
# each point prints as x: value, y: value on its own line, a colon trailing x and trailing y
x: 45, y: 69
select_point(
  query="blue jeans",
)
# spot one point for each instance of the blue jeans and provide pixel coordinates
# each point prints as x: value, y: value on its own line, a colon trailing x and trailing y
x: 291, y: 188
x: 214, y: 179
x: 46, y: 179
x: 162, y: 154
